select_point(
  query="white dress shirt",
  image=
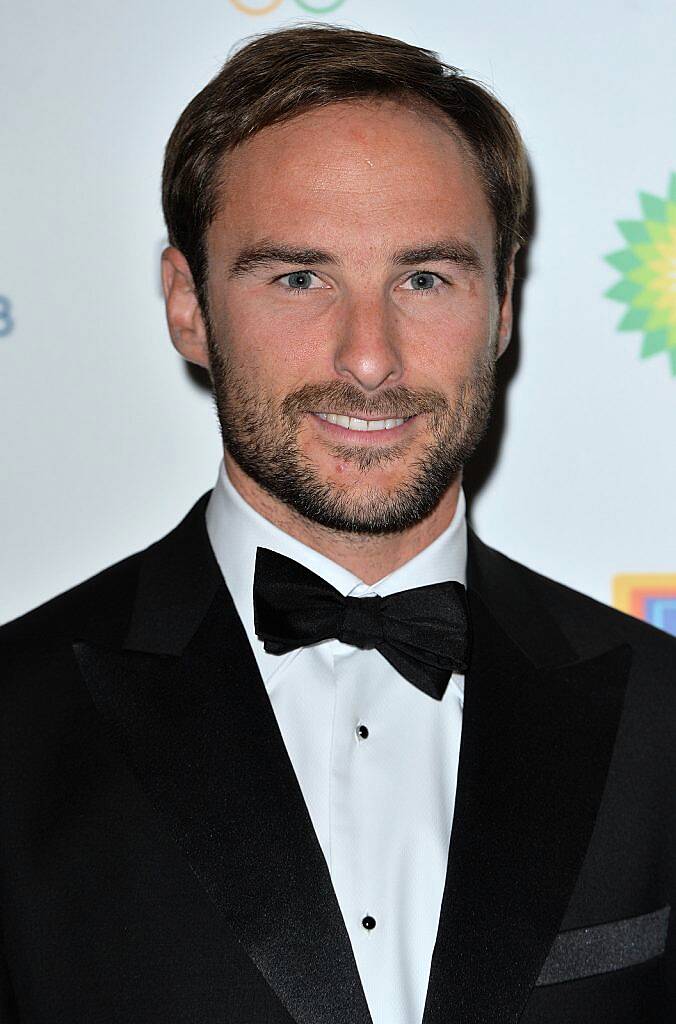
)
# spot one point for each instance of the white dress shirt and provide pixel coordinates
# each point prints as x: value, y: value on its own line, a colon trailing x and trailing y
x: 376, y: 759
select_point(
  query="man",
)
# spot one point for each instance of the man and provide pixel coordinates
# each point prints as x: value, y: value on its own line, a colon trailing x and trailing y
x: 320, y: 755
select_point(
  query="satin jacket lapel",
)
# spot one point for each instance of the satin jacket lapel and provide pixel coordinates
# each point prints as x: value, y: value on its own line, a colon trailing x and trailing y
x: 535, y: 750
x: 189, y: 710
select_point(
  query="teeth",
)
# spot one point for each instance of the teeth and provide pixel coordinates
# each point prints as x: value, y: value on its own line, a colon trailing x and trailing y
x: 352, y: 423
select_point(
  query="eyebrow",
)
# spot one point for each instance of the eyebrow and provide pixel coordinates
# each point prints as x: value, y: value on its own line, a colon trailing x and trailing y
x: 451, y: 251
x: 265, y: 255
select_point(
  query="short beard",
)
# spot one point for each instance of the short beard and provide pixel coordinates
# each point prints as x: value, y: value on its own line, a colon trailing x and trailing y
x: 262, y: 438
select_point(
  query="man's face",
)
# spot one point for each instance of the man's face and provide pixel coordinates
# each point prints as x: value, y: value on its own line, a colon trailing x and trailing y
x: 354, y: 321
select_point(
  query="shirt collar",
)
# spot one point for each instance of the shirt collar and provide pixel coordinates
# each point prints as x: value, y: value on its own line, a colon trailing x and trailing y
x: 236, y: 530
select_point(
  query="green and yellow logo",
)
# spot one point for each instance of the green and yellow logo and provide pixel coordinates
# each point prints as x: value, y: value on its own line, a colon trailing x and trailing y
x: 648, y: 266
x: 256, y: 7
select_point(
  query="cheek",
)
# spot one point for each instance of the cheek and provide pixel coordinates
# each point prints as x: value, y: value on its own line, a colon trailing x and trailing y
x: 446, y: 348
x: 294, y: 347
x: 274, y: 357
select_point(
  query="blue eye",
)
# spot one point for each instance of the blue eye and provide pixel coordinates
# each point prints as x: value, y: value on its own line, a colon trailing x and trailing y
x: 299, y: 280
x: 423, y: 281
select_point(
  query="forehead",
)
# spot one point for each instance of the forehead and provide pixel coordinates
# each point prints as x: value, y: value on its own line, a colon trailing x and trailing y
x: 376, y: 168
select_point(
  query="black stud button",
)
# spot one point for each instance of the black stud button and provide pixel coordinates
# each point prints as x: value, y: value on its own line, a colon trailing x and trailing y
x: 362, y: 732
x: 368, y: 922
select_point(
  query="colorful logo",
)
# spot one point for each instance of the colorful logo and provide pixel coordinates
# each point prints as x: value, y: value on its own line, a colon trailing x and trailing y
x: 268, y: 6
x: 648, y: 596
x: 648, y: 286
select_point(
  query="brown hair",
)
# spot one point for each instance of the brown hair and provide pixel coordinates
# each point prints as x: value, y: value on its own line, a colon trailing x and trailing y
x: 284, y: 73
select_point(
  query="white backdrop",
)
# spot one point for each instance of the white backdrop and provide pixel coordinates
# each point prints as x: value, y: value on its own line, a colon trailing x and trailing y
x: 106, y: 438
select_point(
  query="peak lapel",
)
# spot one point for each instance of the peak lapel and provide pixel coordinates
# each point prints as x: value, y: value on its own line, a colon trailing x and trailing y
x: 197, y: 728
x: 535, y: 750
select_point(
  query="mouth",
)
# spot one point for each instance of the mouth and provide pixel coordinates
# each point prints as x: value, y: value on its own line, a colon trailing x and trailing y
x: 354, y: 423
x: 369, y: 430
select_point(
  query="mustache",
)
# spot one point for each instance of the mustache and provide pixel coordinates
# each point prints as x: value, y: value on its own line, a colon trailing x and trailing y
x: 345, y: 399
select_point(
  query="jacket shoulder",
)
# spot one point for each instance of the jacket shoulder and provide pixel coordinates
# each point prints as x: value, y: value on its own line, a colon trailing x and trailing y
x: 100, y: 608
x: 586, y: 622
x: 104, y: 599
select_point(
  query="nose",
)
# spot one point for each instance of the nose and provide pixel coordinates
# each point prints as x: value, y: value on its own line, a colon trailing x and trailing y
x: 368, y: 352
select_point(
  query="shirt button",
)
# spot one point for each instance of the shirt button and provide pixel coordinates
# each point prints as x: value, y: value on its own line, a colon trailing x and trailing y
x: 362, y: 732
x: 368, y: 922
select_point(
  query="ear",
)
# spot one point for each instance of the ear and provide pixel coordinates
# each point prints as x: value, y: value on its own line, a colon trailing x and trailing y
x: 506, y: 318
x: 184, y: 316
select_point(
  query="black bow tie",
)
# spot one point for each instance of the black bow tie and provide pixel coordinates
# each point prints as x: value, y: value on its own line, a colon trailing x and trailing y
x: 424, y: 632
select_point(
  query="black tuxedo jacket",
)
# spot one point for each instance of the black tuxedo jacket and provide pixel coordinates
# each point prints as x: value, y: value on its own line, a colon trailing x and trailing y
x: 159, y: 865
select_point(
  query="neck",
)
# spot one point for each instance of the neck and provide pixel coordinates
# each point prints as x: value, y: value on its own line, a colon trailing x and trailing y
x: 368, y: 557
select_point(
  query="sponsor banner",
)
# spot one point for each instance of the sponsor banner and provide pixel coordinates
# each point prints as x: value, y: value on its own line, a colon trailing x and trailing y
x: 268, y: 6
x: 6, y: 317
